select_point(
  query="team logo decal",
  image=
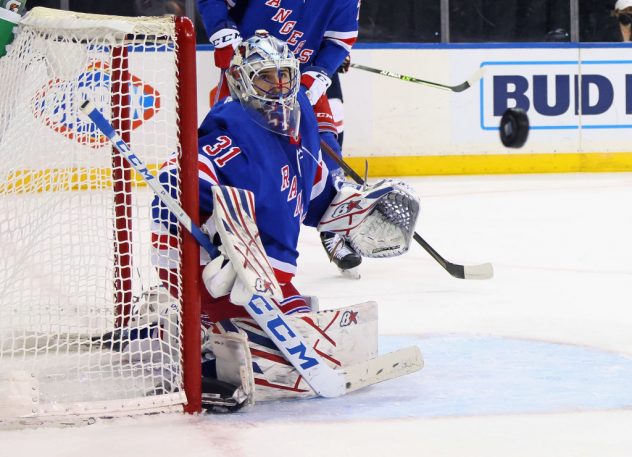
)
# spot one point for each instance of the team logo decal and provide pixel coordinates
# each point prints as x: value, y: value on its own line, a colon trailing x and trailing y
x: 263, y: 285
x: 348, y: 318
x: 57, y: 103
x: 347, y: 208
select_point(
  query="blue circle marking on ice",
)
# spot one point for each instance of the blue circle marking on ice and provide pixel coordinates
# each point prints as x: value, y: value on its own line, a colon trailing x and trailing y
x: 474, y: 376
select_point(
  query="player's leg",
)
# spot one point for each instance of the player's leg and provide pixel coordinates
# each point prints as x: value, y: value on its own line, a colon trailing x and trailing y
x: 336, y: 103
x: 336, y: 247
x: 229, y: 369
x: 247, y: 366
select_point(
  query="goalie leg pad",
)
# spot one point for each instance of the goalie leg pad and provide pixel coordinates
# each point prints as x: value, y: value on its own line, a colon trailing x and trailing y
x: 152, y: 332
x: 233, y: 366
x: 342, y: 337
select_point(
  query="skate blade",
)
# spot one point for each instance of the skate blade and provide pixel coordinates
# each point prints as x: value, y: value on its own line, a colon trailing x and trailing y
x: 351, y: 273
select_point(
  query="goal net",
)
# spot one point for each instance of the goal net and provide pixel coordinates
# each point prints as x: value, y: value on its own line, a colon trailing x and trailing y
x: 87, y: 328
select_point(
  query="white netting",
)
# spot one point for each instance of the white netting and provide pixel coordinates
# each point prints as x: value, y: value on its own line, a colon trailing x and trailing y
x: 67, y: 266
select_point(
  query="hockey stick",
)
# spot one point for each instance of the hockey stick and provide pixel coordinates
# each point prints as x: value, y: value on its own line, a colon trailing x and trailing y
x: 324, y: 380
x: 383, y: 367
x: 458, y: 88
x: 219, y: 86
x: 481, y: 271
x: 137, y: 164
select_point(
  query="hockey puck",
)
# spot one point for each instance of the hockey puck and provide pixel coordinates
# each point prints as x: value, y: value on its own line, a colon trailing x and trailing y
x: 514, y: 128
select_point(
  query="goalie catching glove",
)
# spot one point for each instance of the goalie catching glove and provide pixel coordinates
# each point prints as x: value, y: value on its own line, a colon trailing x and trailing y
x: 377, y: 220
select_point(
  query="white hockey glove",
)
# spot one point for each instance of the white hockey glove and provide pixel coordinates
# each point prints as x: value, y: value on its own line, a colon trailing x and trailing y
x: 378, y: 221
x: 225, y: 41
x: 316, y: 82
x: 219, y: 276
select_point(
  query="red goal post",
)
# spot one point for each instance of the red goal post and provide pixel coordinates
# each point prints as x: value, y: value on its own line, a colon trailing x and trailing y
x: 86, y: 328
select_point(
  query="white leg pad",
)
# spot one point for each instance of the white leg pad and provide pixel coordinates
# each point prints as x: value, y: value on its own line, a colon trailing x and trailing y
x: 233, y: 360
x: 246, y: 355
x: 347, y: 335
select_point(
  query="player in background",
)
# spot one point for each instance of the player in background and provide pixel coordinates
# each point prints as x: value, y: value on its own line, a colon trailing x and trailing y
x: 336, y: 100
x: 265, y: 139
x: 10, y: 12
x: 623, y: 13
x: 320, y: 34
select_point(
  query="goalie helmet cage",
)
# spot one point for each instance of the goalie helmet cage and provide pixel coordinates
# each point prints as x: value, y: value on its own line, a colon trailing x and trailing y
x: 79, y: 250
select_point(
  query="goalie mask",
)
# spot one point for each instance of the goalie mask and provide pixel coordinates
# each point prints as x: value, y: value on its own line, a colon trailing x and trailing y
x: 264, y: 76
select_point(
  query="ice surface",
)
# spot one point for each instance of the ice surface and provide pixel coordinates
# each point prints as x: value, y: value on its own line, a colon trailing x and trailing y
x: 535, y: 362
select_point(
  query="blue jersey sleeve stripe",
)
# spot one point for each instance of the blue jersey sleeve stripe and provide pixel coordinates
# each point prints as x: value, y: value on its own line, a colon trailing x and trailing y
x: 243, y: 198
x: 229, y: 203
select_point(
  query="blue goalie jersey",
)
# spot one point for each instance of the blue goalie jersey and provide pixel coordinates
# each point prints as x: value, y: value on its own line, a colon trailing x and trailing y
x: 319, y: 33
x: 290, y: 182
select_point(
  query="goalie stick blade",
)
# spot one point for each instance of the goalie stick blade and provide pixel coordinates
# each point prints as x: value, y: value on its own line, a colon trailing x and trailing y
x: 383, y: 367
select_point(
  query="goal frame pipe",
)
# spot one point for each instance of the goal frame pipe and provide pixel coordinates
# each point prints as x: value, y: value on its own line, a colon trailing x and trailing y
x: 122, y: 187
x: 190, y: 298
x: 190, y: 200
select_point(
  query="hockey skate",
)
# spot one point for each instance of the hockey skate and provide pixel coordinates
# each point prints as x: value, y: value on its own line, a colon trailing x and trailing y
x: 222, y: 397
x: 343, y: 255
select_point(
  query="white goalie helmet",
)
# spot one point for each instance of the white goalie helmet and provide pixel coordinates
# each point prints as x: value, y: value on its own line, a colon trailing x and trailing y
x: 264, y: 76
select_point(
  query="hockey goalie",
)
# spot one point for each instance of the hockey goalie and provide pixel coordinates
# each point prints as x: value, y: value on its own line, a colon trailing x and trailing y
x: 261, y: 177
